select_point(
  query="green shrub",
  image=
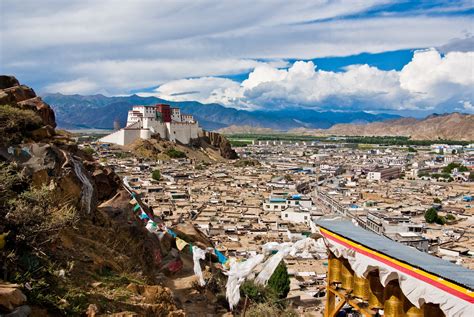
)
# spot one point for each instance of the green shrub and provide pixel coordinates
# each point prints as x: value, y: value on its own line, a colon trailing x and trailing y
x: 437, y: 200
x: 88, y: 150
x: 38, y: 215
x: 280, y: 281
x: 257, y: 293
x: 450, y: 217
x: 440, y: 220
x: 448, y: 169
x: 173, y: 153
x: 16, y: 123
x: 431, y: 215
x: 269, y: 310
x: 156, y: 175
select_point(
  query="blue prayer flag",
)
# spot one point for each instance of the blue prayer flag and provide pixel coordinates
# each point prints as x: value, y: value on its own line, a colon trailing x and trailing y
x: 172, y: 233
x: 221, y: 257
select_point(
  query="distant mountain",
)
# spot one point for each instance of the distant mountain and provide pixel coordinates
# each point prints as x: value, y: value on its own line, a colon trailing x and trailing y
x: 98, y: 111
x: 450, y: 126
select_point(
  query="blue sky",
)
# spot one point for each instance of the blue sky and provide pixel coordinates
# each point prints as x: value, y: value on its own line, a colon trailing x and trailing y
x: 407, y: 57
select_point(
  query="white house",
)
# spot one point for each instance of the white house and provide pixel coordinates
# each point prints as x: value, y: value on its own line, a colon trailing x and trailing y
x: 296, y: 215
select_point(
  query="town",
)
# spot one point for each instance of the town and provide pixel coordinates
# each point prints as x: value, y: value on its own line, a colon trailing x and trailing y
x: 418, y: 196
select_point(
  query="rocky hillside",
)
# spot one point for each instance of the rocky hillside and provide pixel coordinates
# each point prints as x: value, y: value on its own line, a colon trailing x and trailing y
x: 70, y: 244
x: 454, y: 126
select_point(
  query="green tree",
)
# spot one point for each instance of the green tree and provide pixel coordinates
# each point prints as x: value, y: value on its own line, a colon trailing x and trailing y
x: 437, y: 200
x: 431, y: 215
x: 440, y: 220
x: 173, y: 153
x: 280, y: 281
x: 156, y: 175
x: 412, y: 150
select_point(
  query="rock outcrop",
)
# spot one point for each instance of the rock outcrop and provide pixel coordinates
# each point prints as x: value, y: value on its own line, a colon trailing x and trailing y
x: 24, y: 97
x: 219, y: 141
x: 10, y: 297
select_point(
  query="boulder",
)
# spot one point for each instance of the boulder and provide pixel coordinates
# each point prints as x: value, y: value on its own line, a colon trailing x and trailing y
x: 10, y: 297
x: 189, y: 233
x: 22, y: 311
x: 43, y: 133
x: 41, y: 108
x: 24, y: 97
x: 20, y: 93
x: 106, y: 182
x: 8, y: 81
x: 219, y: 141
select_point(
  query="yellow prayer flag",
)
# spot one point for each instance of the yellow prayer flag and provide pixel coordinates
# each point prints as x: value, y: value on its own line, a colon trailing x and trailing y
x: 133, y: 201
x: 180, y: 244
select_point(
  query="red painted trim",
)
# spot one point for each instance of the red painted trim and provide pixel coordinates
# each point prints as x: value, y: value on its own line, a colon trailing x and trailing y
x: 443, y: 287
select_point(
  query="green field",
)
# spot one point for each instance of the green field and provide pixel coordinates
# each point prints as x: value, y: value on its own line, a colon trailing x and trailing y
x: 245, y: 139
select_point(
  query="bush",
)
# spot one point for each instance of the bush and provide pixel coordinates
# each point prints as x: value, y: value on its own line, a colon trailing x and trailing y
x: 431, y: 215
x: 88, y: 150
x: 448, y: 169
x: 156, y: 175
x: 257, y: 293
x: 440, y: 220
x: 269, y: 310
x: 450, y: 217
x: 16, y: 123
x: 173, y: 153
x: 37, y: 215
x: 437, y: 200
x: 280, y: 281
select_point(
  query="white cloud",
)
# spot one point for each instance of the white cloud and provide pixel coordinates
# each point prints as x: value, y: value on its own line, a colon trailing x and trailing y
x: 115, y: 77
x: 121, y: 46
x: 427, y: 82
x: 467, y: 105
x: 77, y: 86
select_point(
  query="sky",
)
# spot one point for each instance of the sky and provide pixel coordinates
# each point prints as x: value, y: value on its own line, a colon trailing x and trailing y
x: 405, y: 57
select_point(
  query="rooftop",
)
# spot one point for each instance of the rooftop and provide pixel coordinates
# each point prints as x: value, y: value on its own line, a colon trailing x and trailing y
x: 447, y: 270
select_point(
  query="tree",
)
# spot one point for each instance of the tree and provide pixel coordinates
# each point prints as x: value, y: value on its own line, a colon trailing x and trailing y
x: 437, y: 200
x: 280, y: 281
x: 173, y: 153
x: 411, y: 150
x: 156, y: 175
x: 431, y: 215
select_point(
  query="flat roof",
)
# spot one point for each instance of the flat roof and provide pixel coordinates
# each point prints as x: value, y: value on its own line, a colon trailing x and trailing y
x: 434, y: 265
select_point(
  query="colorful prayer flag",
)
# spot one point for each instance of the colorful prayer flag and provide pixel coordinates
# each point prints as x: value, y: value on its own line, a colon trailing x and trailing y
x: 221, y: 257
x: 180, y: 244
x: 133, y: 201
x: 143, y: 216
x: 172, y: 233
x: 137, y: 206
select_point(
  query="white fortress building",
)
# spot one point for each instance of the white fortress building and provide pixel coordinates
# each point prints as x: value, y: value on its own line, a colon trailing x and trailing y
x: 144, y: 121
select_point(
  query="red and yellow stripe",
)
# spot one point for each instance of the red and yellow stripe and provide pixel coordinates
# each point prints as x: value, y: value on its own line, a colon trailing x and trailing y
x: 447, y: 286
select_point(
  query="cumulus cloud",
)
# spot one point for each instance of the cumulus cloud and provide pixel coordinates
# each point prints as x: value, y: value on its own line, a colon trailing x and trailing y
x: 429, y: 81
x: 122, y: 46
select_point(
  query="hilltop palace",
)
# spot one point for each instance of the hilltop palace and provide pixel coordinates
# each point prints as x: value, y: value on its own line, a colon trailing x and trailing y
x: 144, y: 121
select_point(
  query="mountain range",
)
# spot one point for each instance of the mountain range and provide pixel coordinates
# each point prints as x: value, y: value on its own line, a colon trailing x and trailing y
x: 99, y: 111
x: 448, y: 126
